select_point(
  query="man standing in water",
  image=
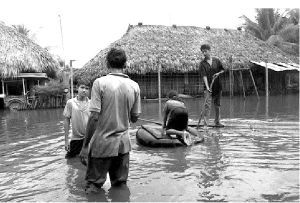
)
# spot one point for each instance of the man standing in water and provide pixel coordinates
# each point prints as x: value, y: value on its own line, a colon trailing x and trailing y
x: 115, y: 101
x: 211, y: 67
x: 77, y: 113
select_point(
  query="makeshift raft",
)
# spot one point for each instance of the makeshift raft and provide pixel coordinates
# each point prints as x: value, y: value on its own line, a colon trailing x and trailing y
x: 151, y: 136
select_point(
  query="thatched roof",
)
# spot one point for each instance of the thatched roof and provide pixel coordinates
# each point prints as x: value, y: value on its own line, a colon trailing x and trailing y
x: 19, y: 54
x: 177, y: 49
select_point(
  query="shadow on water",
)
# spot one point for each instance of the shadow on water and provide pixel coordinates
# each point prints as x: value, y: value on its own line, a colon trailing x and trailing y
x: 254, y: 158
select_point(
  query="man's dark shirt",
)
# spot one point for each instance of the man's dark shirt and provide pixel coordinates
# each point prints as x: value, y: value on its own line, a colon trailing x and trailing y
x: 209, y: 71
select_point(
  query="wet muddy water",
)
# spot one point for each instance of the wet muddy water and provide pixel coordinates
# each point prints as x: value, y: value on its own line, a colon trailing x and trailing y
x: 254, y: 158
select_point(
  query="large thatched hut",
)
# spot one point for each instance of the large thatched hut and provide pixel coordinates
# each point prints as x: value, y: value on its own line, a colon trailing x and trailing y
x: 175, y: 50
x: 23, y: 64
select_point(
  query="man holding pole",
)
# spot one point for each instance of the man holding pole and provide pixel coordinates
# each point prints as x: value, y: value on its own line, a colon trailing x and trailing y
x: 210, y: 69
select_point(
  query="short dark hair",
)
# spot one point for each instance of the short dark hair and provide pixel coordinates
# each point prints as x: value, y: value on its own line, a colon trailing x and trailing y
x: 116, y: 58
x: 172, y: 94
x: 204, y: 47
x: 82, y: 82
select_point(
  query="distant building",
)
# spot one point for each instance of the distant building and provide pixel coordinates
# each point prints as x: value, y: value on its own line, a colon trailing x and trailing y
x: 23, y: 64
x: 176, y: 51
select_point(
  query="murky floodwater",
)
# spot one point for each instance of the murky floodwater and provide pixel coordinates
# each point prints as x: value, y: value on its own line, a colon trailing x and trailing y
x: 256, y: 158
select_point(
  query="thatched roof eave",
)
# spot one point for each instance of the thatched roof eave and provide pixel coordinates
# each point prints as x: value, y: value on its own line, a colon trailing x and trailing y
x: 177, y: 49
x: 19, y: 54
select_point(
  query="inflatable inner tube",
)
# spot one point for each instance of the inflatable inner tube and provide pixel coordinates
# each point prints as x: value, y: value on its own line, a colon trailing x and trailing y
x: 151, y: 136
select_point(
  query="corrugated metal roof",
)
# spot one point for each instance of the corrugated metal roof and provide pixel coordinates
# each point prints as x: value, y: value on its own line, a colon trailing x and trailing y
x: 279, y: 66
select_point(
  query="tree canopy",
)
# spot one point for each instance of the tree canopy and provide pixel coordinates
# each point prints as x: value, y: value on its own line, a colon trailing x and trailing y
x: 276, y: 26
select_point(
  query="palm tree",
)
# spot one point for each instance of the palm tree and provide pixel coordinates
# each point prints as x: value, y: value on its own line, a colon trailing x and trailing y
x: 276, y: 27
x: 293, y: 15
x: 21, y: 29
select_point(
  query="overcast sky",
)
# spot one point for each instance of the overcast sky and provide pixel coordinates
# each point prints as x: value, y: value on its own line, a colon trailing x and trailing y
x: 89, y: 26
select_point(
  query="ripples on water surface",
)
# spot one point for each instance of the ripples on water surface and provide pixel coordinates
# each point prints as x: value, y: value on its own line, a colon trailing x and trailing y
x: 256, y: 158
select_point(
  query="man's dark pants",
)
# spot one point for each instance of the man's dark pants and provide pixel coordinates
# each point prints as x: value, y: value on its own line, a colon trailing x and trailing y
x: 117, y: 167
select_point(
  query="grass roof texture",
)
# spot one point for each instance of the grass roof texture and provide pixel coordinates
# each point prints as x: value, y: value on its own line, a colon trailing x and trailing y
x: 20, y: 54
x: 177, y: 49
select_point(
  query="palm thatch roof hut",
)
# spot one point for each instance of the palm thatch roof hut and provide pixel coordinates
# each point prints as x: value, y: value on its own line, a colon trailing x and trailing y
x: 177, y: 50
x: 23, y: 64
x: 19, y: 54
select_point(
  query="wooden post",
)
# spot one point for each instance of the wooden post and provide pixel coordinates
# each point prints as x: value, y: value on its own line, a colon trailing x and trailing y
x: 159, y: 92
x: 230, y: 108
x: 71, y: 73
x: 267, y: 107
x: 267, y: 91
x: 267, y: 80
x: 254, y: 83
x: 2, y: 87
x: 177, y: 86
x: 241, y: 76
x: 230, y: 77
x: 23, y: 81
x: 230, y: 81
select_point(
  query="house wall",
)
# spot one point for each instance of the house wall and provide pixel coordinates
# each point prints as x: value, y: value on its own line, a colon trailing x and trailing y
x: 183, y: 83
x: 192, y: 84
x: 280, y: 82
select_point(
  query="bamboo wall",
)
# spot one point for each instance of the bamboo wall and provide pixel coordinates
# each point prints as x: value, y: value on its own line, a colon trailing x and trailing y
x: 192, y: 84
x: 54, y: 101
x: 183, y: 83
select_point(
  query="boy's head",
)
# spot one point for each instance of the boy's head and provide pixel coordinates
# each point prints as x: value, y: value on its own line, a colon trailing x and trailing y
x: 83, y: 88
x: 116, y: 58
x: 205, y: 49
x: 172, y: 94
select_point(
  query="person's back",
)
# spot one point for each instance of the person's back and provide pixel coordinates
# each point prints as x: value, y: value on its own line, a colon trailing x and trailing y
x: 173, y: 103
x: 115, y: 101
x: 175, y: 113
x: 118, y: 96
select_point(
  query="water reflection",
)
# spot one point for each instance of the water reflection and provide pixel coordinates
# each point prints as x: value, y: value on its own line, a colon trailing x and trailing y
x: 75, y: 177
x: 214, y: 164
x: 165, y: 159
x: 267, y: 107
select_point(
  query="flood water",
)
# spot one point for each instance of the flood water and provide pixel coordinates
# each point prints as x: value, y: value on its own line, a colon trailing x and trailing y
x: 254, y: 158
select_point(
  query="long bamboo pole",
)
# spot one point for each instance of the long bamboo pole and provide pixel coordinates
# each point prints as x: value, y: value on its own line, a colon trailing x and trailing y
x: 267, y: 80
x: 71, y: 75
x: 267, y: 91
x: 232, y: 89
x: 3, y: 87
x: 159, y: 91
x: 230, y: 79
x: 241, y: 76
x: 23, y: 81
x: 254, y: 83
x: 62, y: 46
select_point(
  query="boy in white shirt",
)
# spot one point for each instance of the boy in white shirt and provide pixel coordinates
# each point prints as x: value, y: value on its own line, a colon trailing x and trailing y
x: 76, y: 113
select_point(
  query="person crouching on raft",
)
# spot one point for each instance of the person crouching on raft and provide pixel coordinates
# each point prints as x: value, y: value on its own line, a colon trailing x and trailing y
x: 175, y: 119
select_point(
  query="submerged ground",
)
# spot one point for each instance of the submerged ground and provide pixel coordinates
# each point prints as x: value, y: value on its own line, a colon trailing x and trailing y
x: 254, y: 158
